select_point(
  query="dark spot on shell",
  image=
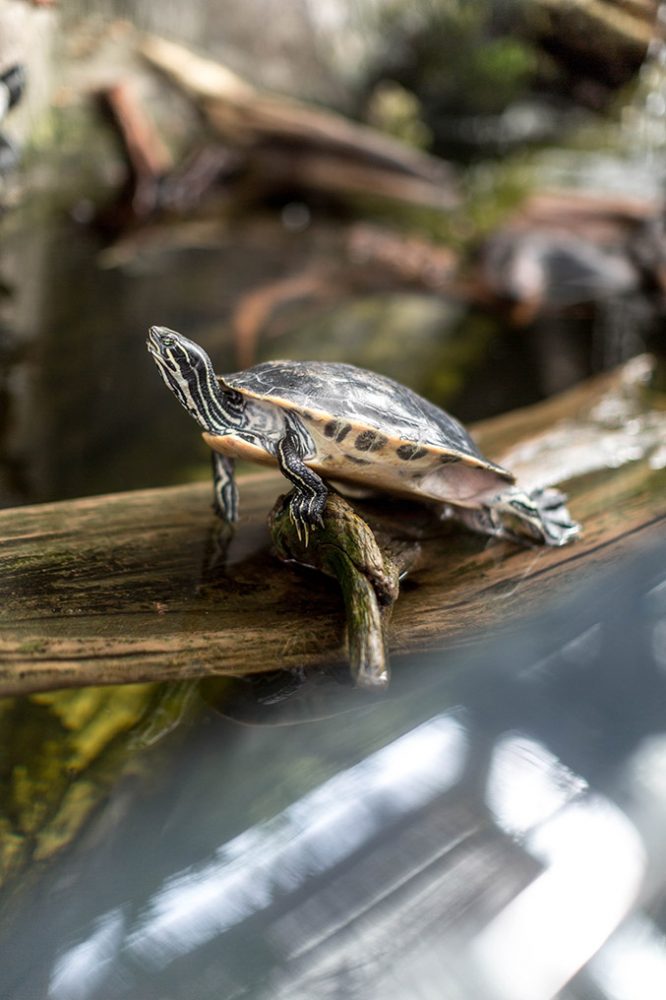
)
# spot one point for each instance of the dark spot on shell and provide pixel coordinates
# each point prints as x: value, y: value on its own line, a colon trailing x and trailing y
x: 370, y: 441
x: 448, y: 459
x: 409, y: 452
x: 337, y: 429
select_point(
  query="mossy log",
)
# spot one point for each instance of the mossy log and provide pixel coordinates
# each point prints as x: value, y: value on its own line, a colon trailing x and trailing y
x: 366, y: 560
x: 123, y: 588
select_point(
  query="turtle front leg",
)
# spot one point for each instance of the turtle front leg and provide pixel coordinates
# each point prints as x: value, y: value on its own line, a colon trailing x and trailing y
x: 308, y: 500
x: 225, y: 491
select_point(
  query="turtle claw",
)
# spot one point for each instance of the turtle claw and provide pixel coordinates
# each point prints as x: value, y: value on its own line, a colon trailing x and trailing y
x: 300, y: 523
x: 307, y: 515
x: 316, y: 511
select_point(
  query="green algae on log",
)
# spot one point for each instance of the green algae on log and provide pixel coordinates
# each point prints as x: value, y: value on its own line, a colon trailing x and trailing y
x: 120, y: 589
x: 367, y: 564
x: 62, y: 753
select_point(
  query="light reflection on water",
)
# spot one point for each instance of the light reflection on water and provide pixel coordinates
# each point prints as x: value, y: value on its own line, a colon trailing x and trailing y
x: 527, y: 784
x: 633, y: 963
x: 82, y: 970
x: 591, y: 854
x: 486, y: 852
x: 310, y: 837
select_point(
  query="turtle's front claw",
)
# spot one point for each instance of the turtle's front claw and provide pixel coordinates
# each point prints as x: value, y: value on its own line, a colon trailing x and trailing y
x: 300, y: 524
x: 306, y: 513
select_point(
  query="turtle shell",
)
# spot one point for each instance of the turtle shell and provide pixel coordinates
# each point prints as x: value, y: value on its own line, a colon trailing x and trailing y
x: 370, y: 429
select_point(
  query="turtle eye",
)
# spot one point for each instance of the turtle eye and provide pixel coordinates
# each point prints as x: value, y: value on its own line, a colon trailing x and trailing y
x: 168, y: 341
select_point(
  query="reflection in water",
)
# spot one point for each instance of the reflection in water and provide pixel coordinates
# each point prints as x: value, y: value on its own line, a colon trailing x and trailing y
x: 85, y: 967
x: 526, y: 784
x: 593, y: 855
x: 588, y: 850
x: 308, y: 838
x: 633, y: 963
x: 647, y: 769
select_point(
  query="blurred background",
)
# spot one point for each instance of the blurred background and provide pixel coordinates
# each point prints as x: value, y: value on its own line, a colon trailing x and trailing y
x: 495, y: 238
x: 464, y: 196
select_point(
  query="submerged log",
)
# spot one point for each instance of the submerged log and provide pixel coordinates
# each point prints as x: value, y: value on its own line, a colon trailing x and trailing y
x: 374, y: 259
x: 120, y: 589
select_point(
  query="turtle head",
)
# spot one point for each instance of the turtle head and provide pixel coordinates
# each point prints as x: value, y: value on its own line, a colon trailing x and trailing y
x: 188, y: 372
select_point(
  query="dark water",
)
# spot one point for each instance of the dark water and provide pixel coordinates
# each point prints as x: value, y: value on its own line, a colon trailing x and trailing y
x: 479, y: 833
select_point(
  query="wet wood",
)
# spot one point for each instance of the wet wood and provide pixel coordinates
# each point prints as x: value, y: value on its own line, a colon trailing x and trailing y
x: 368, y: 565
x: 118, y: 589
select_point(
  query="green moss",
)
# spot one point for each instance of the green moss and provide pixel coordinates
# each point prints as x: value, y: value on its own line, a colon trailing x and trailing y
x: 395, y: 110
x: 61, y: 752
x: 31, y: 646
x: 459, y: 57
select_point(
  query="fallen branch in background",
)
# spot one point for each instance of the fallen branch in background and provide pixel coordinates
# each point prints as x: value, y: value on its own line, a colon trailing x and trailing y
x: 289, y: 141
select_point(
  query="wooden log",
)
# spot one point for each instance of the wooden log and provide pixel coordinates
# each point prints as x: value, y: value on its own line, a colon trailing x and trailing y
x: 299, y: 143
x: 628, y: 27
x: 600, y: 41
x: 119, y: 589
x: 147, y: 154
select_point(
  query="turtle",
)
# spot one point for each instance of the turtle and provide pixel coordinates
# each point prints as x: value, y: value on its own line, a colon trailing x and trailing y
x: 327, y: 423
